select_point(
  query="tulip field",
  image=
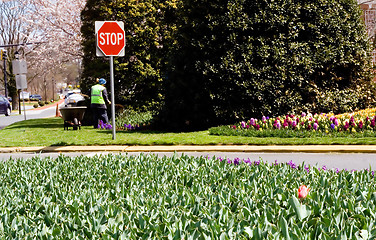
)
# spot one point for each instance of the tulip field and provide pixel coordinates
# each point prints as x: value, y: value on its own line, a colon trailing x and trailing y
x: 182, y: 197
x: 358, y: 124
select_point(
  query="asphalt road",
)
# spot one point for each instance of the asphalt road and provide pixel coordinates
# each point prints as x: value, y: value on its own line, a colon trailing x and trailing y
x: 349, y: 161
x: 30, y: 114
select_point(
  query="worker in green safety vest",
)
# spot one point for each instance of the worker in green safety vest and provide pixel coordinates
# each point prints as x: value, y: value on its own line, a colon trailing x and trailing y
x: 99, y: 99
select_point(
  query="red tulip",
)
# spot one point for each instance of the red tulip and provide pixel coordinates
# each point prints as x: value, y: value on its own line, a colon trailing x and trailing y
x: 303, y: 192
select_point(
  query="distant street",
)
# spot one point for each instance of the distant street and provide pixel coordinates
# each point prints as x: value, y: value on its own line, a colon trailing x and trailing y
x: 30, y: 114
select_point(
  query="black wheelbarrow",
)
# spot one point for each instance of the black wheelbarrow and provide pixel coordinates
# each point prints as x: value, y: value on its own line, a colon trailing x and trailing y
x: 72, y: 116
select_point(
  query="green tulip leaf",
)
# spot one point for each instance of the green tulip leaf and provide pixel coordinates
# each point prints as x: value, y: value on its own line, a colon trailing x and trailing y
x: 302, y: 211
x: 284, y: 227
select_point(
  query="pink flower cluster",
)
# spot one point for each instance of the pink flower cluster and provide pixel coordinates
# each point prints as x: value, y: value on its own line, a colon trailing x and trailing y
x: 309, y: 122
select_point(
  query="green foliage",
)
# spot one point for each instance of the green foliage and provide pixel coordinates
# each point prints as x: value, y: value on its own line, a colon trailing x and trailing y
x: 181, y: 197
x: 344, y: 100
x: 242, y: 58
x: 41, y: 103
x: 139, y: 74
x: 209, y: 62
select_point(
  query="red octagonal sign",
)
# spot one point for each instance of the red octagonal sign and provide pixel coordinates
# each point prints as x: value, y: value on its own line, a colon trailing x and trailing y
x: 110, y: 38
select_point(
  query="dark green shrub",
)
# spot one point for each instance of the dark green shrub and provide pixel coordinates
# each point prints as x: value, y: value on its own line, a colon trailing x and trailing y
x: 41, y: 103
x: 243, y: 58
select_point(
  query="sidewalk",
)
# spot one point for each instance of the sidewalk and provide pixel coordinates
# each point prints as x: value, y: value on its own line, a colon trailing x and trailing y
x: 31, y: 108
x: 200, y: 148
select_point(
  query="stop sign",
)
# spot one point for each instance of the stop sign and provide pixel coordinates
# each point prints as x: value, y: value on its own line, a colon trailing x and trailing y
x: 110, y: 37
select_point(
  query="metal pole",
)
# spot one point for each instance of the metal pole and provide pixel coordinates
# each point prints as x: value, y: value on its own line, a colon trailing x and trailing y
x: 19, y: 102
x: 112, y: 97
x: 23, y: 100
x: 5, y: 78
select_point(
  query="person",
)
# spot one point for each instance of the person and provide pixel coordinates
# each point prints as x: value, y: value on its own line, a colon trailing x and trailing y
x: 99, y: 99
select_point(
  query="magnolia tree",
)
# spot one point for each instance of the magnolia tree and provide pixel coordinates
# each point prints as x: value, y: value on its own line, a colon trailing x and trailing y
x: 56, y: 24
x: 12, y: 31
x: 54, y: 29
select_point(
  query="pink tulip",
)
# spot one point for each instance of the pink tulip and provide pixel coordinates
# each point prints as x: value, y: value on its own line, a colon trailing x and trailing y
x: 303, y: 192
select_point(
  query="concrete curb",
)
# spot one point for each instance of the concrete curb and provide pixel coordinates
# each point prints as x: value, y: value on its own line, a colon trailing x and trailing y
x: 59, y: 102
x: 200, y: 148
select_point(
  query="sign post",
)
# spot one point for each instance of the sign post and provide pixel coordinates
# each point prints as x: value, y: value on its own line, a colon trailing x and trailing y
x: 110, y: 38
x: 20, y: 70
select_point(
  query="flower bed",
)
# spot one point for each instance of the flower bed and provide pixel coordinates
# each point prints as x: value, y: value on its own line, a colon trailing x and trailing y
x: 146, y: 197
x: 305, y: 125
x: 130, y: 120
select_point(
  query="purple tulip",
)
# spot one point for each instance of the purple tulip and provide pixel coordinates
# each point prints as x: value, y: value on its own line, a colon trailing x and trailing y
x: 277, y: 125
x: 292, y: 164
x: 247, y: 160
x: 315, y: 126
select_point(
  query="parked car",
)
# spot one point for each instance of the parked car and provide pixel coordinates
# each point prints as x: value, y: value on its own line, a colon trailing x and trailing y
x: 35, y: 97
x: 73, y: 99
x: 5, y: 107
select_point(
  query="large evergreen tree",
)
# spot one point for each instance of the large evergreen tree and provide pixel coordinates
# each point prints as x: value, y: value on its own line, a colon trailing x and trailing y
x: 139, y: 74
x: 216, y: 61
x: 247, y: 58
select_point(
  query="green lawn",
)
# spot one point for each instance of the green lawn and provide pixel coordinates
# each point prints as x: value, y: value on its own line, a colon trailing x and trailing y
x: 50, y: 132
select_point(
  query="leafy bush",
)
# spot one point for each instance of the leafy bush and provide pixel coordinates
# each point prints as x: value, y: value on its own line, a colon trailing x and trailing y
x: 41, y: 103
x: 35, y: 105
x: 146, y: 197
x: 243, y: 58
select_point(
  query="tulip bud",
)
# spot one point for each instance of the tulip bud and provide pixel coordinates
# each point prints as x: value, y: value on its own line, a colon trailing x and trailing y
x: 303, y: 192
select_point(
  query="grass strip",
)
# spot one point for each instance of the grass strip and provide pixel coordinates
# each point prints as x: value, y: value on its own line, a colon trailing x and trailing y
x: 50, y: 132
